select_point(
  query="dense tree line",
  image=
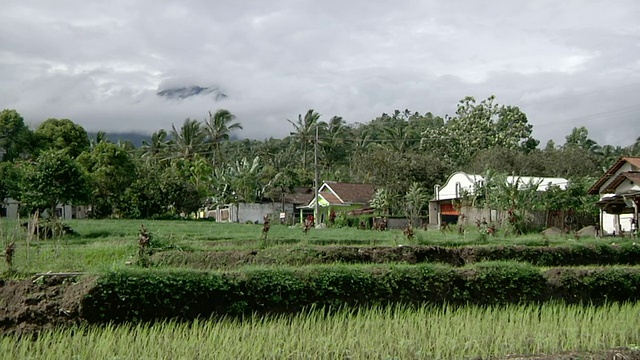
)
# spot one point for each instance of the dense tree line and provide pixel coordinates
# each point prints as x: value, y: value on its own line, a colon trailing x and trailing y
x: 196, y: 163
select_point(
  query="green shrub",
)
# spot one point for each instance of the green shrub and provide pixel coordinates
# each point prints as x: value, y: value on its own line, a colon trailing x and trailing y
x: 148, y: 295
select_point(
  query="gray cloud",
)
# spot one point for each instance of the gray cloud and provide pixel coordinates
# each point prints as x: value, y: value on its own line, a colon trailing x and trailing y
x: 565, y: 63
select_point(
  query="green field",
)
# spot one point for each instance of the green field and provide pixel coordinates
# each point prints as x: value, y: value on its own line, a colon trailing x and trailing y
x: 379, y: 333
x: 110, y: 244
x: 394, y: 331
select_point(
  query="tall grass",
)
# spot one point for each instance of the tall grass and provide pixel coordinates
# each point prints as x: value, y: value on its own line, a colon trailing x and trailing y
x: 381, y: 333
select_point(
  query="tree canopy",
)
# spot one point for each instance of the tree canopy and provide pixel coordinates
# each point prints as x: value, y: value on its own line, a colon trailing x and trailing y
x: 196, y: 163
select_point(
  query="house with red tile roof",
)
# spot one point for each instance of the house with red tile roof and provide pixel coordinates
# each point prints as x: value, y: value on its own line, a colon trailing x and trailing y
x: 341, y: 197
x: 619, y: 191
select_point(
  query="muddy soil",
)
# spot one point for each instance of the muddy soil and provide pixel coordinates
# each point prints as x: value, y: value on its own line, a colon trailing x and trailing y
x: 614, y: 354
x: 44, y: 302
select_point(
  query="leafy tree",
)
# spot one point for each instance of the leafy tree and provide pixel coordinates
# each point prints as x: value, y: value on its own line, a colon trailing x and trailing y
x: 245, y: 181
x: 380, y: 201
x: 570, y: 162
x: 111, y: 171
x: 54, y: 178
x: 477, y: 127
x: 607, y: 155
x: 144, y: 197
x: 218, y: 128
x: 511, y: 161
x: 9, y: 180
x: 579, y: 137
x: 396, y: 172
x: 414, y: 201
x: 512, y: 194
x: 15, y: 136
x: 62, y: 134
x: 179, y: 194
x: 634, y: 149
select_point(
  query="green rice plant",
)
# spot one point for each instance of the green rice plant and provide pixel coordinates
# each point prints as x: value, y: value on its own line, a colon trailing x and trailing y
x: 380, y: 333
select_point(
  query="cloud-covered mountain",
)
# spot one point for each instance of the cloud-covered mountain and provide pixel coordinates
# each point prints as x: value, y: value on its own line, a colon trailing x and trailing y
x: 189, y: 91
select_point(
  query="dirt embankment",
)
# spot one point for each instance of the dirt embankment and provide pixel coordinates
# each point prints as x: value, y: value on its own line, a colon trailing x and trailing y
x: 40, y: 303
x: 29, y: 306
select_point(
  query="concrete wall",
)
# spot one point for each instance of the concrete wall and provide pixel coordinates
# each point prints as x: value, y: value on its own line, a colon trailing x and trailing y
x: 253, y: 212
x: 471, y: 215
x: 402, y: 223
x: 10, y: 207
x: 65, y: 212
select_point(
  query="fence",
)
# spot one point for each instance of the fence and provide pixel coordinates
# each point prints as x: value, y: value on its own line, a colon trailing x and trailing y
x: 563, y: 219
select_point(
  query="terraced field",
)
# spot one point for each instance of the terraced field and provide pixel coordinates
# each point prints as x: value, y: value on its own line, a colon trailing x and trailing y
x: 332, y: 293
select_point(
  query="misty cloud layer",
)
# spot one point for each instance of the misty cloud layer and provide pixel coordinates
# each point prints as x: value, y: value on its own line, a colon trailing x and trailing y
x: 101, y: 64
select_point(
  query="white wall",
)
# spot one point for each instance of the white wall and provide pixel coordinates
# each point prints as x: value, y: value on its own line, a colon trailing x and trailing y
x: 255, y: 211
x: 461, y: 181
x: 456, y: 183
x: 624, y: 168
x: 66, y: 211
x: 609, y: 223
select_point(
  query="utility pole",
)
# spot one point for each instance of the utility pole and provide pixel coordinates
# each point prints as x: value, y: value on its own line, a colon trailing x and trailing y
x: 317, y: 177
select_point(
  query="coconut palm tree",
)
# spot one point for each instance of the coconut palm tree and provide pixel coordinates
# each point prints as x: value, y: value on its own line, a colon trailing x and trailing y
x: 101, y: 136
x: 333, y: 142
x: 156, y: 149
x: 189, y: 141
x: 218, y: 128
x: 304, y: 132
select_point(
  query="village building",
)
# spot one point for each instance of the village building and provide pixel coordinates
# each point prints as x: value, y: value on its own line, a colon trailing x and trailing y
x: 443, y: 207
x: 619, y: 192
x: 10, y: 209
x: 340, y: 197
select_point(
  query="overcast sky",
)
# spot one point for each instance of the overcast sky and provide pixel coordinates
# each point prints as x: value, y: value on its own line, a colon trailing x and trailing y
x: 100, y: 63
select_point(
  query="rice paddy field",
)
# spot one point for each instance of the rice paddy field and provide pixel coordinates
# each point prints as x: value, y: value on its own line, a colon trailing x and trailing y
x: 378, y: 333
x: 553, y: 330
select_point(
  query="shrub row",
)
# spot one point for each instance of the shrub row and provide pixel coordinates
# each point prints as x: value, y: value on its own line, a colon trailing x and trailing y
x: 135, y: 295
x: 578, y: 255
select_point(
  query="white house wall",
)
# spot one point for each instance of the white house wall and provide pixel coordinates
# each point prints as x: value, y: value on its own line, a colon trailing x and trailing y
x: 253, y: 212
x: 624, y: 168
x: 461, y: 181
x: 610, y: 223
x: 626, y: 187
x: 456, y: 183
x: 66, y: 212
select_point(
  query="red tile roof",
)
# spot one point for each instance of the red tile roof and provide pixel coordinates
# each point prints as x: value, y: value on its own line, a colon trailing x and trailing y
x: 300, y: 196
x: 595, y: 188
x: 353, y: 193
x: 633, y: 176
x: 332, y: 199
